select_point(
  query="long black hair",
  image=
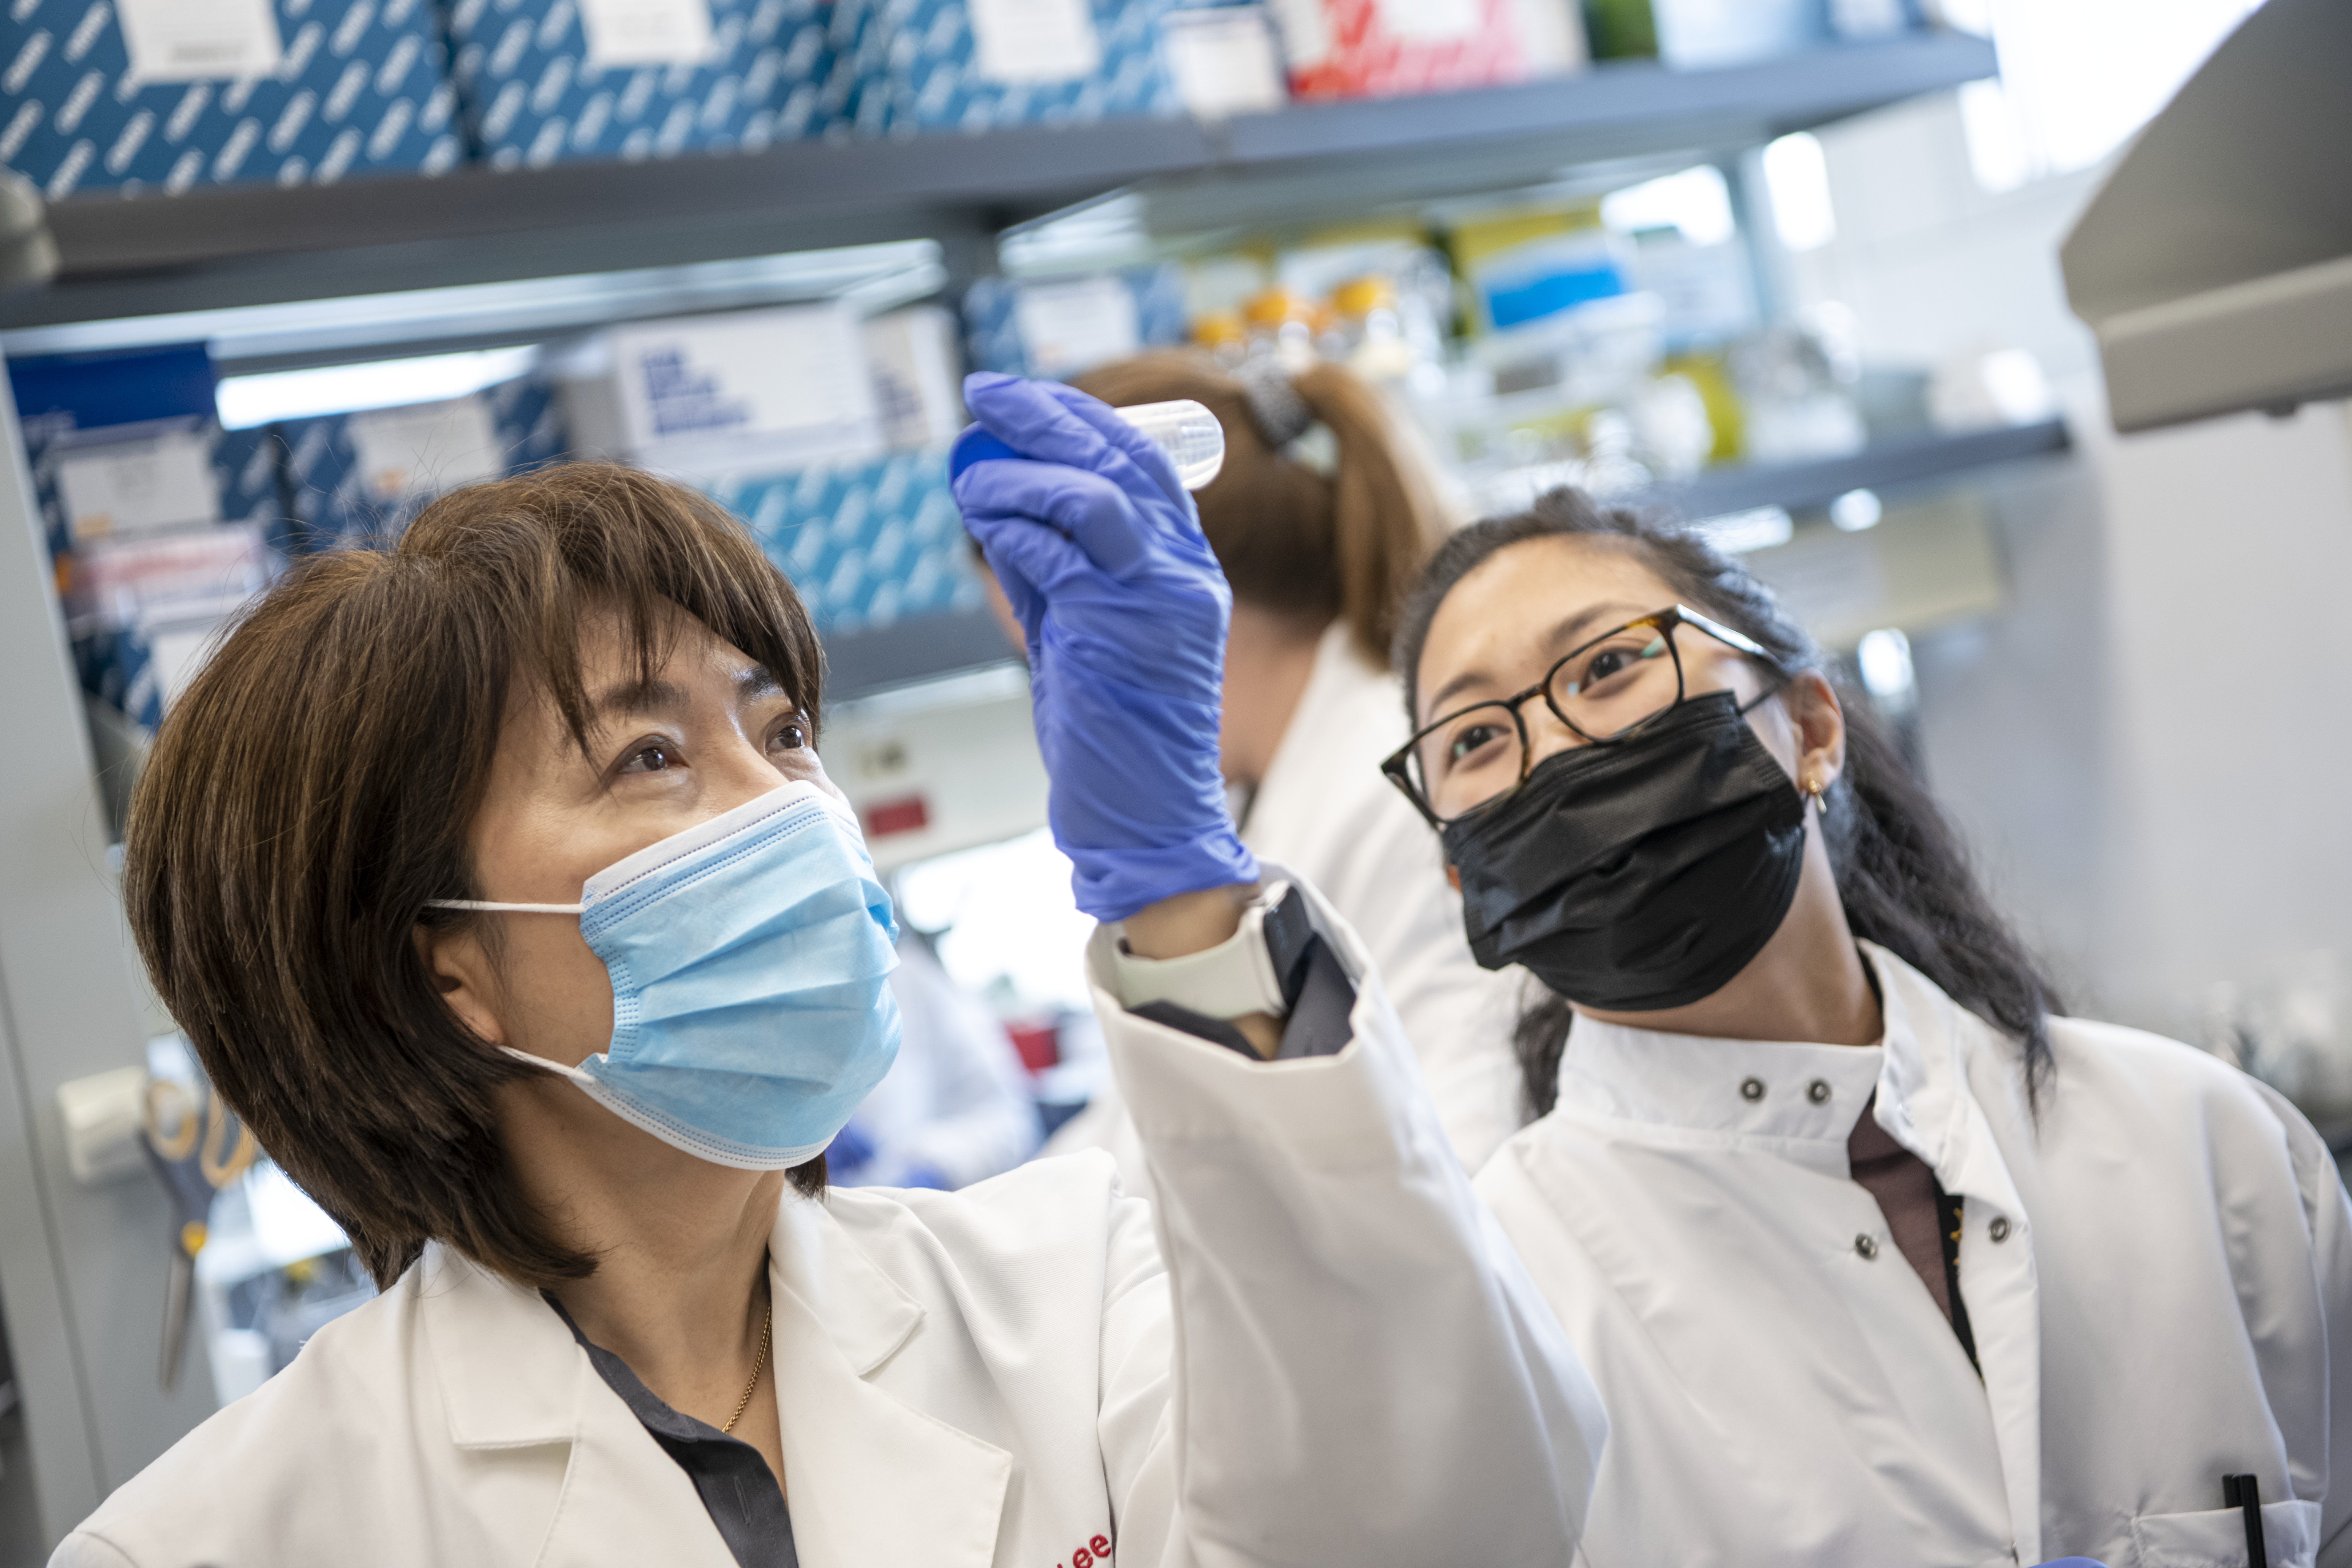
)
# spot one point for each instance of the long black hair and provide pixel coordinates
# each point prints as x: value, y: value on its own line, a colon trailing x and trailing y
x: 1902, y: 874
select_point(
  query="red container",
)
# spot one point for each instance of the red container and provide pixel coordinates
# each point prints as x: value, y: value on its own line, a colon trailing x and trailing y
x: 1375, y: 48
x: 1040, y: 1043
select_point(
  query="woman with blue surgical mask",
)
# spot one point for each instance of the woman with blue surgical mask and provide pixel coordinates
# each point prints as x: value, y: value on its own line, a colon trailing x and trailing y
x: 496, y: 882
x: 1875, y: 1259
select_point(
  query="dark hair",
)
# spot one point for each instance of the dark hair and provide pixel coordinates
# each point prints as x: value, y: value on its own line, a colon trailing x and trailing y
x: 1292, y: 541
x: 313, y: 788
x: 1902, y: 874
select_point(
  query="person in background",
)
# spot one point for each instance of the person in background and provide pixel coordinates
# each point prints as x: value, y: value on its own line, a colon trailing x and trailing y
x: 955, y: 1107
x: 1322, y: 515
x: 1875, y: 1258
x: 496, y: 880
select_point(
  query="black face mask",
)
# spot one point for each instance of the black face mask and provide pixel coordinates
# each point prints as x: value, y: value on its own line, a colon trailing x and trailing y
x: 1637, y: 877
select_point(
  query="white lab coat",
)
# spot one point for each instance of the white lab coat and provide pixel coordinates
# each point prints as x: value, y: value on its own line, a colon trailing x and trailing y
x: 1327, y: 1357
x: 2158, y: 1274
x: 1325, y: 810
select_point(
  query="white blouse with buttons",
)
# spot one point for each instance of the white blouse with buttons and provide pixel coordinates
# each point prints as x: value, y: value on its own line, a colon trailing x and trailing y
x: 2157, y: 1271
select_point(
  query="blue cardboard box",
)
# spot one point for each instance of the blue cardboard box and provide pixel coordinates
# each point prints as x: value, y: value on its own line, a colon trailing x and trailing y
x: 938, y: 83
x: 866, y: 543
x: 856, y: 100
x: 533, y: 99
x: 331, y: 507
x: 361, y: 88
x: 77, y: 403
x: 994, y: 322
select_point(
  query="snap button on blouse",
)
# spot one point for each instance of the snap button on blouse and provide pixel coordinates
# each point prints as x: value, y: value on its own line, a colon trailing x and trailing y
x: 1751, y: 1089
x: 1818, y: 1092
x: 1999, y: 1229
x: 1865, y: 1247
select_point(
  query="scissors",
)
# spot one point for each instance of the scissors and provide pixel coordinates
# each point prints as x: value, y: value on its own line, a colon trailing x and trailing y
x: 187, y: 1139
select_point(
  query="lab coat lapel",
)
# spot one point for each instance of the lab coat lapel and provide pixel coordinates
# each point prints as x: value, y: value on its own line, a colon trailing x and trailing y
x: 511, y: 1376
x: 1924, y: 1101
x: 869, y: 1479
x: 624, y: 1499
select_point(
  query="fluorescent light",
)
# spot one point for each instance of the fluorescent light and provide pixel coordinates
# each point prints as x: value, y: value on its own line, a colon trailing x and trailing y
x: 246, y: 401
x: 1885, y: 659
x: 1857, y: 510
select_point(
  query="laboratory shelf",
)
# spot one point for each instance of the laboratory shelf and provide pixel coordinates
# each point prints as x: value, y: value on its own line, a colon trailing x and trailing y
x: 927, y: 648
x: 1884, y: 466
x: 923, y: 647
x: 144, y: 256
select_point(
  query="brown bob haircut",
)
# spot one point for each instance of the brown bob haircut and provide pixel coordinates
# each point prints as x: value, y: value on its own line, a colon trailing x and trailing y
x: 313, y: 788
x: 1310, y: 546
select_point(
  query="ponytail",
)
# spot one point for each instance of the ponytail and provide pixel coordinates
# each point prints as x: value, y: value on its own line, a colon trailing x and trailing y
x: 1292, y: 541
x: 1385, y: 508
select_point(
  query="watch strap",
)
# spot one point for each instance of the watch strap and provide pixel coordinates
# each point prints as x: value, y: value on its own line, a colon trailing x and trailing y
x: 1259, y: 969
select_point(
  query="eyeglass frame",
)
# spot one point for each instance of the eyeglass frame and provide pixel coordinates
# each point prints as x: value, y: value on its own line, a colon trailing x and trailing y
x: 1396, y: 766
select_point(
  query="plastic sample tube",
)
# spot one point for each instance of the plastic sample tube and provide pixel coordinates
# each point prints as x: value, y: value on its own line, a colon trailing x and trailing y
x: 1188, y: 432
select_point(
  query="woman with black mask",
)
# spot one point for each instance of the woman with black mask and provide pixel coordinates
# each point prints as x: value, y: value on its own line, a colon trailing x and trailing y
x: 1875, y: 1259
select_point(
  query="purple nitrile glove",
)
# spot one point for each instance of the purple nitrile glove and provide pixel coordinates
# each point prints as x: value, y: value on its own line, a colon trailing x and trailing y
x: 1101, y: 555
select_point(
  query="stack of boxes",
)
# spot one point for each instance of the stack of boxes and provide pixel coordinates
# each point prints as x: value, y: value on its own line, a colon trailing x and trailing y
x: 1059, y: 327
x: 866, y: 543
x: 169, y: 95
x: 355, y: 480
x: 828, y: 434
x: 160, y: 523
x: 546, y: 81
x: 157, y: 94
x: 974, y: 66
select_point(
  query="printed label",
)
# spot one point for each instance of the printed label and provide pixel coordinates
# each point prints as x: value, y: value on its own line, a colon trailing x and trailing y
x: 138, y: 486
x: 1034, y: 40
x: 197, y: 40
x: 646, y: 32
x: 1066, y: 328
x: 426, y: 449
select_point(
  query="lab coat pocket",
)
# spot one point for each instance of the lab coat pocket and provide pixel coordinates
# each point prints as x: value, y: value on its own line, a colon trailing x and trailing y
x: 2216, y: 1539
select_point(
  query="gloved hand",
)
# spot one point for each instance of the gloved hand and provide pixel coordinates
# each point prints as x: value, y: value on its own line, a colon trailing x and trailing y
x: 1100, y: 554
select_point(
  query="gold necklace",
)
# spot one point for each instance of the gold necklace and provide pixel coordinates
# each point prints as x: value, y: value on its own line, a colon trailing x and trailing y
x: 759, y: 1365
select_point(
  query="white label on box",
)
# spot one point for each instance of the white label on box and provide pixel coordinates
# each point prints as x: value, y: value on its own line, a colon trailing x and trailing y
x: 746, y: 380
x: 1066, y: 328
x: 1223, y: 61
x: 138, y: 486
x: 426, y: 448
x: 913, y: 359
x: 1306, y: 32
x: 1035, y: 41
x: 194, y: 40
x: 1552, y: 36
x: 646, y: 32
x: 1428, y: 21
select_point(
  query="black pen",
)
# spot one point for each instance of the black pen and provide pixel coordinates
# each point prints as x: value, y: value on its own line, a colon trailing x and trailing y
x: 2245, y: 1493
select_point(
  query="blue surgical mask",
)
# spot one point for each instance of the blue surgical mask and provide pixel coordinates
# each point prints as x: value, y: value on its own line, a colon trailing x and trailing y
x: 751, y: 958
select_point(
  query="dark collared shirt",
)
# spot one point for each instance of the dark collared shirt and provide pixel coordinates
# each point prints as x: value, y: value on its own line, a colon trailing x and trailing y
x: 743, y: 1495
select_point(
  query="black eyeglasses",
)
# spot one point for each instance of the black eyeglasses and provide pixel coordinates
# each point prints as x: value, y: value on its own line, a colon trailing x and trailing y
x: 1607, y: 691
